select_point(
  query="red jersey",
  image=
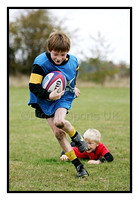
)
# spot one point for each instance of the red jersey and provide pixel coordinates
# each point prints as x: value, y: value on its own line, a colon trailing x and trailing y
x: 100, y: 151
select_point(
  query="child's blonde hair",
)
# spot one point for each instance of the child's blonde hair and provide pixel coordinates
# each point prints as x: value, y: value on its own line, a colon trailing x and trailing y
x: 92, y: 135
x: 58, y: 41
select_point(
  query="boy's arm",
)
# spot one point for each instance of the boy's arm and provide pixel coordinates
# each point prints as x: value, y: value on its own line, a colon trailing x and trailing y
x: 77, y: 91
x: 107, y: 157
x: 36, y: 78
x: 77, y: 69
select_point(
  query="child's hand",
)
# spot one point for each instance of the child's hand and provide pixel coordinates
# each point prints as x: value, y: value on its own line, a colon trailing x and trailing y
x: 77, y: 92
x: 64, y: 157
x: 55, y: 94
x: 96, y: 162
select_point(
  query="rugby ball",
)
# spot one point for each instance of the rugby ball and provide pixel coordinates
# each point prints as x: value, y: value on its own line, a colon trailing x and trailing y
x: 54, y: 80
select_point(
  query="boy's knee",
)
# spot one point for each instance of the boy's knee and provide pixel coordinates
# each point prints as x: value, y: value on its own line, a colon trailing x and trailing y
x: 59, y: 135
x: 59, y: 124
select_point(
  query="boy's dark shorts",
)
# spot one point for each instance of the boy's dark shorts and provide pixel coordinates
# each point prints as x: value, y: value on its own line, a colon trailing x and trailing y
x: 40, y: 114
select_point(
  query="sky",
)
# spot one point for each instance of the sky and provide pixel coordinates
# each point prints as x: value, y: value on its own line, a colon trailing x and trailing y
x: 112, y: 24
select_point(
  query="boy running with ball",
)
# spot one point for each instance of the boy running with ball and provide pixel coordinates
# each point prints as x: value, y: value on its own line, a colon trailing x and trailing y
x: 53, y: 105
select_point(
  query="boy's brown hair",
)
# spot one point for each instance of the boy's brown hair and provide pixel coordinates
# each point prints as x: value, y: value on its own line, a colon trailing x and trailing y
x: 58, y: 41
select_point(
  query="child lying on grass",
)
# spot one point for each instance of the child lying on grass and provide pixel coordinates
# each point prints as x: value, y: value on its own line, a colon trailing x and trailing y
x: 96, y: 151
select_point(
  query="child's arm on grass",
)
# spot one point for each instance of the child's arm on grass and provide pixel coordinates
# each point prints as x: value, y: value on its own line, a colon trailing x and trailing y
x: 107, y: 157
x: 94, y: 162
x: 63, y: 156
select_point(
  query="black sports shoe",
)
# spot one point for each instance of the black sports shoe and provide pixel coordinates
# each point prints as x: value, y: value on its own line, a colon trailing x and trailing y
x: 79, y: 142
x: 81, y: 171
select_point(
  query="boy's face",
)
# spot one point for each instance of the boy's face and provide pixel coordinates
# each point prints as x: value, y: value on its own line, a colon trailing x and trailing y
x: 58, y: 57
x: 91, y: 145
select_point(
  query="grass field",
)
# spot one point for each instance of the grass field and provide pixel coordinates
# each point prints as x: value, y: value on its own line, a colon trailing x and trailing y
x: 34, y: 152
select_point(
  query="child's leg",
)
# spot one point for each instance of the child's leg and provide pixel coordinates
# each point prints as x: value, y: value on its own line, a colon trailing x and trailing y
x: 64, y: 143
x: 60, y: 135
x: 60, y: 122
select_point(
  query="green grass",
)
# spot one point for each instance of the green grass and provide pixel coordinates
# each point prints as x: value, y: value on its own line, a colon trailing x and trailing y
x: 34, y: 163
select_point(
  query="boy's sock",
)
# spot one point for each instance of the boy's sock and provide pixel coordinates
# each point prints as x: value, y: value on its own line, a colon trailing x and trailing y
x: 78, y: 140
x: 81, y: 171
x: 71, y: 155
x: 73, y: 132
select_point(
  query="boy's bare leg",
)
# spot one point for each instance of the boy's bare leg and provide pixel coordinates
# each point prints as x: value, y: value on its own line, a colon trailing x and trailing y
x: 60, y: 135
x: 64, y: 143
x: 60, y: 122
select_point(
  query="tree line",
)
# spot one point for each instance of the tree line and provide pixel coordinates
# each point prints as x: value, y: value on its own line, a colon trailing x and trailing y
x: 27, y: 39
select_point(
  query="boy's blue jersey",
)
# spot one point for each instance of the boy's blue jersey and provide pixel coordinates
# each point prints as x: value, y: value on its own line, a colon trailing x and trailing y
x: 69, y: 70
